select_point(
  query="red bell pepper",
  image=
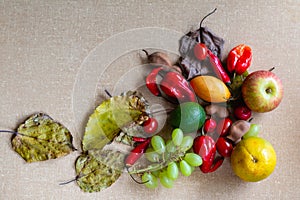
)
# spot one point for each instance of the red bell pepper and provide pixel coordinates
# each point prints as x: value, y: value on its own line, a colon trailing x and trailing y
x: 205, y: 147
x: 151, y: 81
x: 239, y: 59
x: 176, y: 86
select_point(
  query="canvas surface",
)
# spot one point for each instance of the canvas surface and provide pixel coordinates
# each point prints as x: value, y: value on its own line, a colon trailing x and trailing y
x: 58, y: 57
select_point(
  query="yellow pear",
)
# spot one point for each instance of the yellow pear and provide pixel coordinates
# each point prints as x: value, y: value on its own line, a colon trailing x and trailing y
x: 253, y: 159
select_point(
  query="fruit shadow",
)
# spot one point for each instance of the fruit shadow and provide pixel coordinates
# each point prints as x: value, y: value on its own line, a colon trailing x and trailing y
x: 222, y: 181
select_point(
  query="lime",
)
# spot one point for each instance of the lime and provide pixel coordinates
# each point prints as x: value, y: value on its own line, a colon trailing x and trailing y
x: 189, y: 117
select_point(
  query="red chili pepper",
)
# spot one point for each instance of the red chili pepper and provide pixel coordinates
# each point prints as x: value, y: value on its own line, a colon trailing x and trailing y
x: 209, y: 125
x: 223, y: 126
x: 176, y: 86
x: 224, y: 147
x: 139, y: 139
x: 136, y: 153
x: 239, y: 59
x: 151, y: 81
x: 217, y: 163
x: 218, y: 68
x: 205, y: 147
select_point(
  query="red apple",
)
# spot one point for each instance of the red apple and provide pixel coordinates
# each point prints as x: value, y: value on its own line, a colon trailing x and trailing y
x: 262, y: 91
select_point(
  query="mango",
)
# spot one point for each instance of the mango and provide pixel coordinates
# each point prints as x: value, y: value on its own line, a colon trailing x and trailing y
x: 210, y: 89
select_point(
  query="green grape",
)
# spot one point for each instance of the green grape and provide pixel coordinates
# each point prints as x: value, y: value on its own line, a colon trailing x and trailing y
x: 193, y: 168
x: 177, y: 136
x: 166, y: 155
x: 158, y: 144
x: 193, y: 159
x: 185, y: 168
x: 152, y: 155
x: 187, y: 143
x: 155, y: 173
x: 170, y: 146
x: 253, y: 131
x: 172, y: 171
x: 150, y: 180
x: 165, y: 180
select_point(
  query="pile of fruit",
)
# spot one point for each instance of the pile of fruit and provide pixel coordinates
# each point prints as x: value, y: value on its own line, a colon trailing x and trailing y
x: 214, y: 100
x: 212, y: 120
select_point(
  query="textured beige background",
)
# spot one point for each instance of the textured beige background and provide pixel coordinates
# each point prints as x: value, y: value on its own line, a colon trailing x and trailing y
x: 44, y: 43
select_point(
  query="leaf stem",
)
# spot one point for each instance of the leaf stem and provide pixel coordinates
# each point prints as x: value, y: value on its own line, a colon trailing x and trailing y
x: 200, y: 26
x: 7, y: 131
x: 70, y: 181
x: 107, y: 92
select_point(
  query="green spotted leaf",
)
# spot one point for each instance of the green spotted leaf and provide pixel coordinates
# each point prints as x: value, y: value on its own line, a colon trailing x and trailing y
x: 110, y: 117
x: 41, y: 138
x: 98, y: 169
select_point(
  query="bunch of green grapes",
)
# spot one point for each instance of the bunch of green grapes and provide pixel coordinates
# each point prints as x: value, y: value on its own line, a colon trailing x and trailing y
x: 169, y: 158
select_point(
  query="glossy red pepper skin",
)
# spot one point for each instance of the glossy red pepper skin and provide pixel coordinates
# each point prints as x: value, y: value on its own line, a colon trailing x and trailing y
x: 239, y: 59
x: 138, y: 139
x: 137, y: 152
x: 224, y: 147
x: 209, y: 125
x: 205, y: 147
x: 223, y: 126
x: 151, y: 82
x: 150, y: 126
x: 217, y: 163
x: 200, y: 51
x: 176, y: 86
x: 218, y: 68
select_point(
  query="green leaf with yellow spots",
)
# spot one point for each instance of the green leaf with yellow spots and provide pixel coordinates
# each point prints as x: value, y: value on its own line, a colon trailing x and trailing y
x: 111, y: 116
x: 98, y: 169
x: 41, y: 138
